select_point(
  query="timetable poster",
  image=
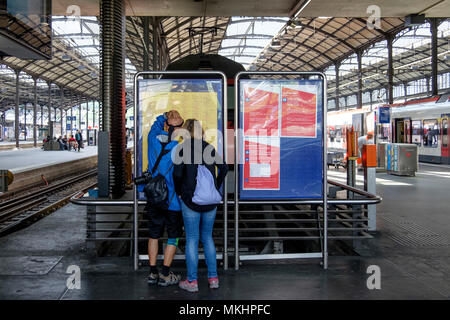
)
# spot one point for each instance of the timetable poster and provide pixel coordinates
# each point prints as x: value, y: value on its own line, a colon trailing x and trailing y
x: 299, y: 111
x: 261, y: 163
x: 261, y: 110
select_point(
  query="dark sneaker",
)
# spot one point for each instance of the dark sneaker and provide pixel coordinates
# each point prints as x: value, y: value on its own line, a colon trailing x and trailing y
x: 213, y: 283
x: 169, y: 280
x: 189, y: 286
x: 152, y: 278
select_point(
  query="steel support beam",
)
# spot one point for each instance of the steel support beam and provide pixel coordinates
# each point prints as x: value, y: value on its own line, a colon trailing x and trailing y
x: 87, y: 117
x: 93, y: 114
x: 34, y: 113
x: 155, y: 43
x: 16, y: 111
x: 434, y: 55
x: 71, y: 121
x: 390, y: 71
x: 49, y: 107
x: 405, y: 90
x: 337, y: 65
x: 62, y: 103
x: 146, y: 29
x: 359, y: 93
x: 79, y: 113
x: 62, y: 124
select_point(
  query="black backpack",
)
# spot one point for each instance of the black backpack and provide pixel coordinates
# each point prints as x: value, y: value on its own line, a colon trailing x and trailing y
x: 156, y: 190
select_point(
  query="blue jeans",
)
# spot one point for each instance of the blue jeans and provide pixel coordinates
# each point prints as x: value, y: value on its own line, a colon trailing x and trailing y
x: 199, y: 226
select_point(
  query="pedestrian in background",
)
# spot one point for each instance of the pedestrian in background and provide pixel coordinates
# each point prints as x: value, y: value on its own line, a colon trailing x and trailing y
x: 79, y: 139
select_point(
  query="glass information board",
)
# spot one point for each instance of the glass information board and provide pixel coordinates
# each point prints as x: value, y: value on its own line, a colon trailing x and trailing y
x: 280, y: 139
x: 200, y: 99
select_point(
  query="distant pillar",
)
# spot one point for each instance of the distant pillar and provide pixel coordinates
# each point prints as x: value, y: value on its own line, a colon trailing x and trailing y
x: 390, y: 87
x: 87, y: 117
x: 79, y: 113
x: 434, y: 56
x: 155, y: 44
x: 34, y: 113
x: 405, y: 90
x: 71, y: 120
x: 337, y: 65
x: 93, y: 114
x: 49, y: 107
x: 146, y: 31
x: 359, y: 95
x: 16, y: 110
x: 62, y: 105
x: 62, y: 122
x: 25, y: 120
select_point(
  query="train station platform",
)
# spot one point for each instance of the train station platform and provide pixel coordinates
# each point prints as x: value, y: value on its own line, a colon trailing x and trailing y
x: 9, y: 145
x: 29, y: 165
x: 411, y: 248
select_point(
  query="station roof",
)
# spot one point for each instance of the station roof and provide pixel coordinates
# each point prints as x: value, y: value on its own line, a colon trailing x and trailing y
x: 305, y: 43
x: 411, y: 60
x: 262, y: 8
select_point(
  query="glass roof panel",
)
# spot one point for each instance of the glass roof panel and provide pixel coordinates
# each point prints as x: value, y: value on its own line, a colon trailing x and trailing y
x: 251, y: 32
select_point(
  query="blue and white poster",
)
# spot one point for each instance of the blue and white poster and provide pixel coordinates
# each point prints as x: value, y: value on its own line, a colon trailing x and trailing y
x: 384, y: 115
x: 280, y: 139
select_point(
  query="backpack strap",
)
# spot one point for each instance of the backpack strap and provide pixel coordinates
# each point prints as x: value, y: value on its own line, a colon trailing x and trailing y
x: 163, y: 152
x: 171, y: 198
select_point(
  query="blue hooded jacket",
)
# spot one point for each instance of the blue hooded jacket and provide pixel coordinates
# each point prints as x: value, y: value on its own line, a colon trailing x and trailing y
x: 156, y: 136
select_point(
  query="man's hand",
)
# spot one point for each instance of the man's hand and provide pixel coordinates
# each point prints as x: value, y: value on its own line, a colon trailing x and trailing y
x: 174, y: 118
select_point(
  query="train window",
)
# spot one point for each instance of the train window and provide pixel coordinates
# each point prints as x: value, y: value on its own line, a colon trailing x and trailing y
x: 416, y: 134
x: 430, y: 133
x: 444, y: 133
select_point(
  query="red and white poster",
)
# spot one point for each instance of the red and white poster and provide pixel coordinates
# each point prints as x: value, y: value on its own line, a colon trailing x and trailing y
x: 298, y: 111
x: 261, y: 163
x: 261, y: 110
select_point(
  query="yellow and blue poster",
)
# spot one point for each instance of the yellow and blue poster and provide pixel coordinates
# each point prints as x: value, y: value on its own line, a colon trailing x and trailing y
x: 200, y: 99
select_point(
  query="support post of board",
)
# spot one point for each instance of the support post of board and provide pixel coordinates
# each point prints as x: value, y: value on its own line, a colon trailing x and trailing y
x: 103, y: 164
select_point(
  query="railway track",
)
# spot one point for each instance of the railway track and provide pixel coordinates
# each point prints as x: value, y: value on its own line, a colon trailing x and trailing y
x: 29, y: 207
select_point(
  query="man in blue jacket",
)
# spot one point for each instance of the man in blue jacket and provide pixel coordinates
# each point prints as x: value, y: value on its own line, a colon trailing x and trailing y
x: 159, y: 136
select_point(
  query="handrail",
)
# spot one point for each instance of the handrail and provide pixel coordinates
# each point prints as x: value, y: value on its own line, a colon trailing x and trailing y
x: 370, y: 199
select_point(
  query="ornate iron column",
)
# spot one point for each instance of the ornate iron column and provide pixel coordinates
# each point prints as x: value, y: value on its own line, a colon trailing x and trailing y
x: 112, y: 81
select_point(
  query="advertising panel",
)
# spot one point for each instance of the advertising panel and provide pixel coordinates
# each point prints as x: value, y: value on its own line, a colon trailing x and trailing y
x: 280, y: 139
x: 385, y: 114
x: 200, y: 99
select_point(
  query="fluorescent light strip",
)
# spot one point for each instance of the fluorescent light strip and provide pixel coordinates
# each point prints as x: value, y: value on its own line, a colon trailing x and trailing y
x: 303, y: 6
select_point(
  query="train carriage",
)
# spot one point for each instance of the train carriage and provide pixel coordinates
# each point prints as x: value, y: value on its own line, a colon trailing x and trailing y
x: 423, y: 122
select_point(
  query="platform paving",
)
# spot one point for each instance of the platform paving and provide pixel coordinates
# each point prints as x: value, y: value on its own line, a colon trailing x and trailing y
x: 27, y: 159
x: 411, y: 249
